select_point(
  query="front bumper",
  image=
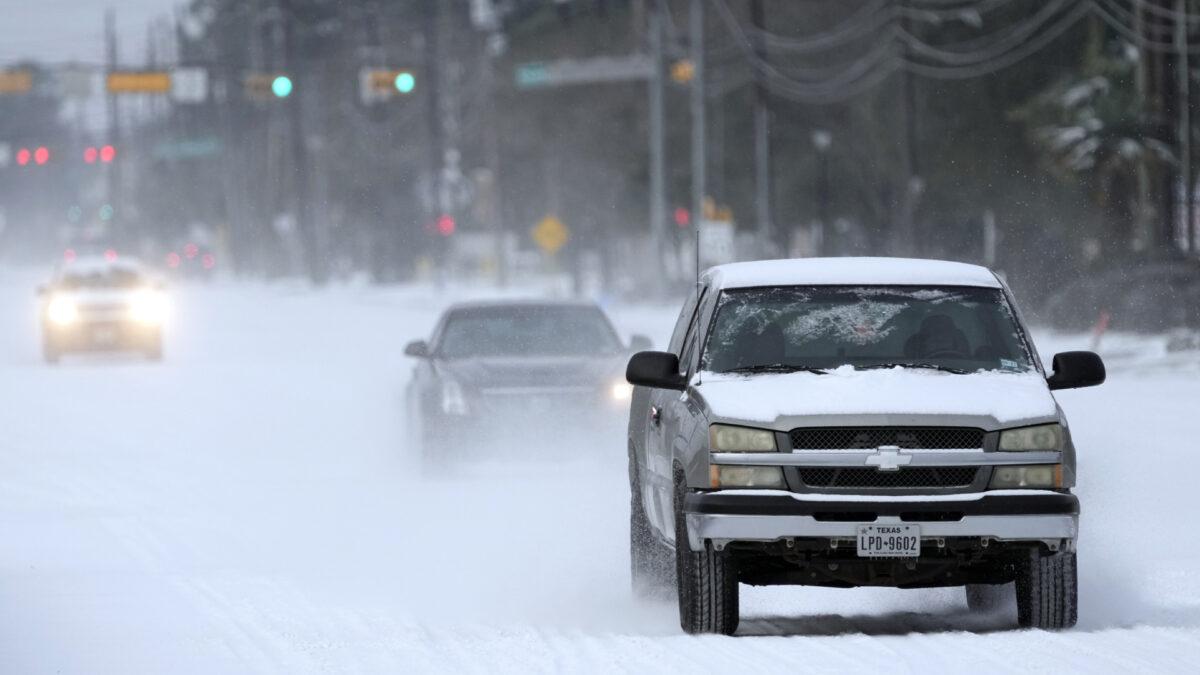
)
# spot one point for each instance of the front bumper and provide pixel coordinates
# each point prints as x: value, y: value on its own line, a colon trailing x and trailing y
x: 726, y: 516
x: 101, y: 335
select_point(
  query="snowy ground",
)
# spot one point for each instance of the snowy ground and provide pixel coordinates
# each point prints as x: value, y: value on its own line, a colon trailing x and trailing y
x: 247, y: 507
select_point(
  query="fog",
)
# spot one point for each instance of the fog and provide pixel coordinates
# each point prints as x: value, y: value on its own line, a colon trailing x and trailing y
x: 258, y: 455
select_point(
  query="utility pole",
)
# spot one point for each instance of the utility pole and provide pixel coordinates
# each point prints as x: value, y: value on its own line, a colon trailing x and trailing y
x: 491, y: 142
x: 696, y: 31
x: 658, y: 142
x: 1182, y: 68
x: 301, y: 170
x: 430, y: 28
x: 113, y: 170
x: 762, y: 132
x: 905, y: 237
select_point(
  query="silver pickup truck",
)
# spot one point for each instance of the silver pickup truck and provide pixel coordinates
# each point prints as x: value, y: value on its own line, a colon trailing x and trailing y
x: 853, y: 422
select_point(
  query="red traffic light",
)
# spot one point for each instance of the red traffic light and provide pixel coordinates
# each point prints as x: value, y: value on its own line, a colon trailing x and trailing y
x: 89, y: 155
x: 445, y: 225
x: 683, y: 217
x: 41, y: 155
x: 23, y: 156
x: 107, y: 154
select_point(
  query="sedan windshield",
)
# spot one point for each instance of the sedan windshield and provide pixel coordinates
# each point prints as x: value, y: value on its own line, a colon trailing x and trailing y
x: 954, y: 329
x: 527, y: 331
x: 111, y: 277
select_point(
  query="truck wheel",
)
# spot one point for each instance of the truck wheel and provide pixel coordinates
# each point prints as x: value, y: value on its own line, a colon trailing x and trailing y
x: 650, y: 564
x: 154, y: 352
x: 1047, y: 593
x: 50, y: 355
x: 706, y: 581
x: 987, y: 597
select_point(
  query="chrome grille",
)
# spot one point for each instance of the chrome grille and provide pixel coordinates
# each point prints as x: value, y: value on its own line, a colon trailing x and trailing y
x: 867, y: 438
x: 918, y: 477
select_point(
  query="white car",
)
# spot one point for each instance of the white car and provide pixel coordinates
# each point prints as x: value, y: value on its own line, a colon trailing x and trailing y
x: 101, y: 305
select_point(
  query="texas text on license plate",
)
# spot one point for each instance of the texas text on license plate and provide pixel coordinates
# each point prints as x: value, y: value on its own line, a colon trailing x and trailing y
x: 889, y: 541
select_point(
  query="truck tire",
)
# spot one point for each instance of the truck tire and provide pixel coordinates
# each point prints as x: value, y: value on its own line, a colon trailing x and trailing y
x: 651, y: 568
x: 987, y: 597
x: 50, y: 355
x: 1047, y: 592
x: 706, y: 581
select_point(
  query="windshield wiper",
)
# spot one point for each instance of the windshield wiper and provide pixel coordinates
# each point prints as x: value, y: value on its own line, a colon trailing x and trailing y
x: 775, y: 368
x: 929, y: 366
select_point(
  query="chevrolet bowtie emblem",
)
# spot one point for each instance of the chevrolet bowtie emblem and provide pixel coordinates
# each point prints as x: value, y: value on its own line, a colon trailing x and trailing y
x: 888, y: 458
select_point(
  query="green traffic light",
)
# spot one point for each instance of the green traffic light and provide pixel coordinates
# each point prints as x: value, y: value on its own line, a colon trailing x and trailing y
x: 405, y: 82
x: 281, y: 86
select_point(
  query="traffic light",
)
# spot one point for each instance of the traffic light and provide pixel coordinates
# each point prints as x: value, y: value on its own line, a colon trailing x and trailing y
x: 41, y: 155
x: 281, y: 86
x: 105, y: 154
x: 23, y: 156
x: 446, y: 225
x: 405, y: 82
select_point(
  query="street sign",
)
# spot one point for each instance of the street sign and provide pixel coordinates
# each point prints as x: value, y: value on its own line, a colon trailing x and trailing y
x: 550, y: 234
x: 595, y: 70
x: 129, y: 82
x: 16, y: 81
x: 75, y: 82
x: 189, y: 85
x: 381, y: 84
x: 188, y: 148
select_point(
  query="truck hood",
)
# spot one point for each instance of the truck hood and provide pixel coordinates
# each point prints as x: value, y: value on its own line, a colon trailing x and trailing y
x: 895, y: 394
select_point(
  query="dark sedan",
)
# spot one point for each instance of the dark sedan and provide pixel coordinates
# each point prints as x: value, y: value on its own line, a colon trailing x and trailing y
x: 507, y: 376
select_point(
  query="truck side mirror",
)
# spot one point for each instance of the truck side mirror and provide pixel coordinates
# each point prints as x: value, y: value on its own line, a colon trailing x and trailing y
x: 417, y: 349
x: 1076, y: 369
x: 659, y: 370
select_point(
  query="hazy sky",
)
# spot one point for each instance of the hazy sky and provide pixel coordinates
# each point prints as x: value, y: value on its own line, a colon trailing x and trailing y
x: 66, y: 30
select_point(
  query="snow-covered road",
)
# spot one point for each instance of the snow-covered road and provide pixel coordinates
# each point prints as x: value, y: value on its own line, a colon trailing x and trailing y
x: 246, y: 506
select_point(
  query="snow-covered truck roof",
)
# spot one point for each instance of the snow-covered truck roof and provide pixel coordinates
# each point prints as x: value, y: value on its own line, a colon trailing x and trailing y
x: 851, y: 272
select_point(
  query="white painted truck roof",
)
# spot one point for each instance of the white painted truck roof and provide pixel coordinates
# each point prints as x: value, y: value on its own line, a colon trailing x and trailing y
x: 851, y: 272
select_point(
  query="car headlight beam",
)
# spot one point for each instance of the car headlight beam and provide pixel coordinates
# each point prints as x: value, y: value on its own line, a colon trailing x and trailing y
x: 620, y: 391
x: 148, y: 307
x: 1040, y: 437
x: 728, y: 438
x: 62, y: 311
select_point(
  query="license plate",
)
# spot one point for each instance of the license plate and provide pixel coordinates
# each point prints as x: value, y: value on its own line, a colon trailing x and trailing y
x: 104, y: 336
x: 889, y: 541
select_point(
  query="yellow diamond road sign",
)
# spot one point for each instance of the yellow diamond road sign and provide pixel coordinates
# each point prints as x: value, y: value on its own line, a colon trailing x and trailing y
x: 550, y: 234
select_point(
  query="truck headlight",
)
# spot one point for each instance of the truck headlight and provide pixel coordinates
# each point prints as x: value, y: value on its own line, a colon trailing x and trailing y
x: 454, y: 402
x: 1041, y: 437
x: 1033, y: 476
x: 726, y: 438
x: 148, y: 307
x: 62, y: 311
x: 746, y: 476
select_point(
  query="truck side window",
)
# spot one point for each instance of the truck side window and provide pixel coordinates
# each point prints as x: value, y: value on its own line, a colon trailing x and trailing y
x: 675, y: 346
x: 691, y: 338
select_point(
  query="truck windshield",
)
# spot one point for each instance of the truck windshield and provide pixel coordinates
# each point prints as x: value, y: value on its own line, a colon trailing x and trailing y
x: 956, y: 329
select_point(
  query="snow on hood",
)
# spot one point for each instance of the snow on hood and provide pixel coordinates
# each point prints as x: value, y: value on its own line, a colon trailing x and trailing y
x: 1005, y: 397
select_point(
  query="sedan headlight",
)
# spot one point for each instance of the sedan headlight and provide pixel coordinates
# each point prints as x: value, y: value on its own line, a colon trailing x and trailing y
x: 746, y: 476
x: 62, y: 311
x: 454, y: 402
x: 148, y: 307
x: 620, y: 391
x: 1041, y: 437
x: 726, y: 438
x: 1034, y: 476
